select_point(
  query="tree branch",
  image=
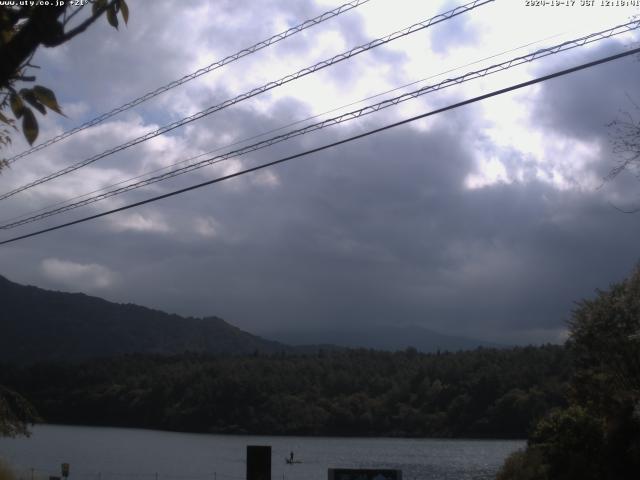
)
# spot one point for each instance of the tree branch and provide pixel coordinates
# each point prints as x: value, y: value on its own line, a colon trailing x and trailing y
x: 41, y: 28
x: 84, y: 25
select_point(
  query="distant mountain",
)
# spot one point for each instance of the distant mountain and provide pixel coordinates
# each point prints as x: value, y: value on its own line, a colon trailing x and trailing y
x: 381, y: 337
x: 44, y: 325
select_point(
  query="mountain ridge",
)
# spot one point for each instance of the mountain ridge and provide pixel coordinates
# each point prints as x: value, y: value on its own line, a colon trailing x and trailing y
x: 381, y: 337
x: 46, y: 325
x: 40, y: 325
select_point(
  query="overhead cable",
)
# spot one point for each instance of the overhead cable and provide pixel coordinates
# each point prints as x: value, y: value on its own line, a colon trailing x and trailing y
x: 209, y: 68
x: 331, y: 145
x: 542, y: 53
x: 256, y: 91
x: 268, y: 132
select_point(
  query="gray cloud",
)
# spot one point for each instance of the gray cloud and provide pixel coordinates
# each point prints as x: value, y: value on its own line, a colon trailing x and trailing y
x: 381, y: 230
x: 582, y: 104
x: 459, y: 32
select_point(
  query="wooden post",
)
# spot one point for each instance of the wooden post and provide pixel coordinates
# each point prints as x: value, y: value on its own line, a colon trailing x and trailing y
x: 258, y: 462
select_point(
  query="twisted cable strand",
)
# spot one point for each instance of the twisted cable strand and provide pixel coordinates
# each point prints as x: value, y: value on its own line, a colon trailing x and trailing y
x: 256, y: 91
x: 568, y: 45
x: 214, y: 66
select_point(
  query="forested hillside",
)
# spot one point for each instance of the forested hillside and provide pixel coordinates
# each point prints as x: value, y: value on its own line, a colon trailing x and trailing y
x: 597, y: 435
x: 44, y: 325
x: 480, y: 393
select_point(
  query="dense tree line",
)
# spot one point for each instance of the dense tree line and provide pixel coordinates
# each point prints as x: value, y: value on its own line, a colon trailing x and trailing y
x: 480, y: 393
x: 597, y: 435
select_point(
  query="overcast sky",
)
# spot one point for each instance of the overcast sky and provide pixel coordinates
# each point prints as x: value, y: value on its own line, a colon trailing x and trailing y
x: 489, y: 220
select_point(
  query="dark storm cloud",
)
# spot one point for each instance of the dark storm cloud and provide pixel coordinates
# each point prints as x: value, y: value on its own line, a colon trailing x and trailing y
x: 382, y: 230
x: 364, y: 234
x: 582, y: 104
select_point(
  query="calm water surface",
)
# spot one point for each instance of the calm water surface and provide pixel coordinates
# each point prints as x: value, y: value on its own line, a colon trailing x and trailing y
x: 97, y: 453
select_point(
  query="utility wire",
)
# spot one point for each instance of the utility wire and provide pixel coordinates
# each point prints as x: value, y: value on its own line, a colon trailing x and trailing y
x: 542, y: 53
x: 265, y: 133
x: 256, y: 91
x: 333, y: 144
x: 209, y: 68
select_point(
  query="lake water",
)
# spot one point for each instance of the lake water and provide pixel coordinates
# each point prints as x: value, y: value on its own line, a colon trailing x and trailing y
x: 97, y: 453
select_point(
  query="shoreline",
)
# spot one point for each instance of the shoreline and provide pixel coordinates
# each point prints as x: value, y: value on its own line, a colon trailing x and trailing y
x: 274, y: 435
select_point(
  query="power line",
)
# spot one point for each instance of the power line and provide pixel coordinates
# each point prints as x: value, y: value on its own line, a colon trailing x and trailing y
x: 542, y: 53
x: 333, y: 144
x: 209, y: 68
x: 273, y: 130
x: 256, y: 91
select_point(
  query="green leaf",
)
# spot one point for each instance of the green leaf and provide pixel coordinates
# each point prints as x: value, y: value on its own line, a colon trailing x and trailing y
x: 97, y: 5
x: 30, y: 97
x: 124, y: 8
x: 7, y: 35
x: 112, y: 17
x: 17, y: 105
x: 47, y: 98
x: 29, y: 126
